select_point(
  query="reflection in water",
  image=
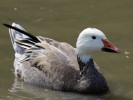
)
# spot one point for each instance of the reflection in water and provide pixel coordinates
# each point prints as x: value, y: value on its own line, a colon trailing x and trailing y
x: 26, y: 91
x: 21, y: 90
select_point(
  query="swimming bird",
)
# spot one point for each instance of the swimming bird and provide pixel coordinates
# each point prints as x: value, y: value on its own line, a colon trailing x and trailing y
x: 57, y: 65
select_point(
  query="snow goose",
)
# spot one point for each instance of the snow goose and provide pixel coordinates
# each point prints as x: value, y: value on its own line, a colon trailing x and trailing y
x: 57, y: 65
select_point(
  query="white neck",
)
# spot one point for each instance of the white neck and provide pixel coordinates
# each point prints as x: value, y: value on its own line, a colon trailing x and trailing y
x: 85, y: 58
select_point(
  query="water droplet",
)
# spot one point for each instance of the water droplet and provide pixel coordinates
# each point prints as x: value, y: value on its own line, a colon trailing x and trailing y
x: 15, y: 9
x: 127, y: 57
x: 127, y: 53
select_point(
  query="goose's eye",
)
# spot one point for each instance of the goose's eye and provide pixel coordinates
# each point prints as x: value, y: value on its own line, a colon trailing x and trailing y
x: 93, y: 37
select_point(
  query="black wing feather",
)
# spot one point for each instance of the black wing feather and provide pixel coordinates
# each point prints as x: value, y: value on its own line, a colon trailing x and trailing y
x: 23, y: 32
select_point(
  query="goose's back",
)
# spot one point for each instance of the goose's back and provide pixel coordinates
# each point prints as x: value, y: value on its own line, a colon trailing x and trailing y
x: 53, y: 64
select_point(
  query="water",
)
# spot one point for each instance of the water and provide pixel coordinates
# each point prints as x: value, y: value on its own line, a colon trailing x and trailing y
x: 63, y: 20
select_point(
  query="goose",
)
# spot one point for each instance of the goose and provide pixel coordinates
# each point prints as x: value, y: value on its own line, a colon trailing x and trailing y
x: 50, y: 64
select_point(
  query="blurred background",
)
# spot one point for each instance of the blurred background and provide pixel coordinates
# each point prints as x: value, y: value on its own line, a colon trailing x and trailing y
x: 63, y: 20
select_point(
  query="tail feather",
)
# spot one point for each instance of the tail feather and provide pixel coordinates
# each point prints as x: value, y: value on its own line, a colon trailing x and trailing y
x: 21, y: 40
x: 25, y: 43
x: 18, y: 28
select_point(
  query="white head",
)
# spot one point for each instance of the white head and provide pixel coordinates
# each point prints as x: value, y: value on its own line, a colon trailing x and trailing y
x: 92, y: 40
